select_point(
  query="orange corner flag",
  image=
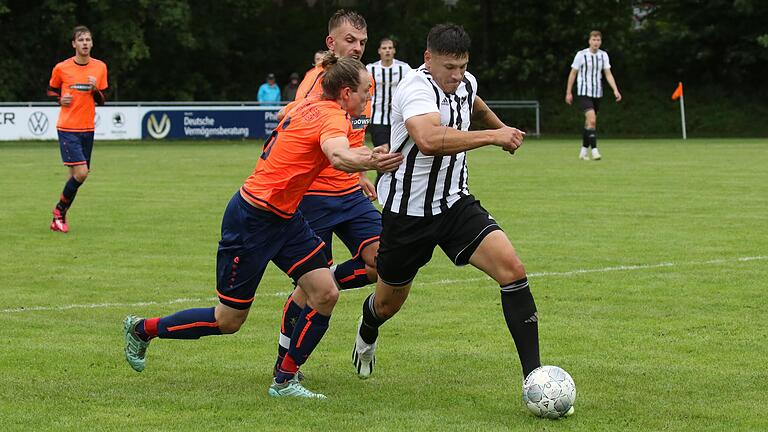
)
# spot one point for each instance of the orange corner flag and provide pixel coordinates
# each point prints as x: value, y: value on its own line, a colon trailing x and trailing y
x: 678, y: 92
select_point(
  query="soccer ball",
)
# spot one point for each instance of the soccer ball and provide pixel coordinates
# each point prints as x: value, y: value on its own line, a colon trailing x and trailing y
x: 549, y: 392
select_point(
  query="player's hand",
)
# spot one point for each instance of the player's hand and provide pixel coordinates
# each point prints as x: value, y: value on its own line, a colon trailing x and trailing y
x: 66, y: 99
x: 568, y: 98
x: 382, y: 160
x: 92, y: 82
x: 617, y: 95
x: 368, y: 188
x: 509, y: 138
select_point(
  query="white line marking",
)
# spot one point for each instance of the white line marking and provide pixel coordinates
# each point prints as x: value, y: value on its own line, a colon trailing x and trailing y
x: 437, y: 282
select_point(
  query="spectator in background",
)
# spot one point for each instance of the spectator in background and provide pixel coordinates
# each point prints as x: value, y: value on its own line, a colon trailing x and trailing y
x: 269, y: 92
x: 289, y: 90
x: 319, y: 54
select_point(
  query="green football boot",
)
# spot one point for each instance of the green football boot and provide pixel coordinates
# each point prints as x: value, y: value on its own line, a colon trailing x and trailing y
x: 292, y: 388
x: 135, y: 348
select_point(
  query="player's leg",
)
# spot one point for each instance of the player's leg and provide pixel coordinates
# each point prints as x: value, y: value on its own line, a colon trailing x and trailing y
x: 406, y: 245
x: 591, y: 122
x: 302, y: 258
x: 360, y: 232
x: 474, y: 237
x: 585, y: 104
x: 75, y: 153
x: 249, y: 239
x: 319, y: 212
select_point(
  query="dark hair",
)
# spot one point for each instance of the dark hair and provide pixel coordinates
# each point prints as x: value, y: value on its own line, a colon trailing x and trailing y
x: 448, y: 39
x: 384, y: 39
x: 77, y: 31
x: 339, y: 73
x: 342, y: 15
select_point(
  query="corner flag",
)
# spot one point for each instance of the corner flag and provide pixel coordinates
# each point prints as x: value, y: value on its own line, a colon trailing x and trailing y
x: 678, y: 94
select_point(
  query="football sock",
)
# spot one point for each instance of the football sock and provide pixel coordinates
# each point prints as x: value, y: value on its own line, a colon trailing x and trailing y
x: 309, y: 329
x: 186, y: 324
x: 369, y: 330
x: 584, y: 138
x: 68, y: 195
x: 351, y: 274
x: 291, y: 312
x: 522, y: 320
x: 591, y: 136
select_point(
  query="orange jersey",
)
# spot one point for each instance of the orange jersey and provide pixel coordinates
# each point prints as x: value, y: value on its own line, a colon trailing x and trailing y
x: 332, y: 181
x: 72, y: 78
x: 293, y: 157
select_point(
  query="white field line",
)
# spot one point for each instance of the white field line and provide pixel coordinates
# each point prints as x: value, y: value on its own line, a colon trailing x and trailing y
x: 437, y: 282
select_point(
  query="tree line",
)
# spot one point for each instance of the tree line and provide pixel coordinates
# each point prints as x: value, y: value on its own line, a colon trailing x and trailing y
x: 522, y: 49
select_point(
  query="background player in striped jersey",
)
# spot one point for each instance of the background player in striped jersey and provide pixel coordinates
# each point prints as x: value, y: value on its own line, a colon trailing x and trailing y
x: 78, y: 83
x: 262, y: 223
x: 338, y: 202
x: 589, y: 65
x: 427, y: 201
x: 387, y: 73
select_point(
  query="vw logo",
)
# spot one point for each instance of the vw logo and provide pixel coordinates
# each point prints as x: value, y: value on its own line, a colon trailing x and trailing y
x: 38, y: 123
x: 158, y: 129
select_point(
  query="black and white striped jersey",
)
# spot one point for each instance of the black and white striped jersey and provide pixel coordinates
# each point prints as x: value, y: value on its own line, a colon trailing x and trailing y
x: 426, y: 185
x: 590, y: 66
x: 387, y: 78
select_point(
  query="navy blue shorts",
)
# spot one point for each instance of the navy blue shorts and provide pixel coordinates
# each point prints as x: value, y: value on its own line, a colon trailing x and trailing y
x: 250, y: 239
x: 76, y: 147
x: 352, y: 217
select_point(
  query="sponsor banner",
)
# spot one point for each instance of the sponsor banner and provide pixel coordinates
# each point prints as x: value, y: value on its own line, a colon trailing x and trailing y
x: 223, y: 123
x: 39, y: 123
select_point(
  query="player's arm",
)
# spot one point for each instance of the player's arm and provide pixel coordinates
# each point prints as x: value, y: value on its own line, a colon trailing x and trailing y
x: 483, y: 117
x: 569, y: 86
x: 612, y: 83
x: 434, y: 139
x: 351, y: 160
x: 54, y: 85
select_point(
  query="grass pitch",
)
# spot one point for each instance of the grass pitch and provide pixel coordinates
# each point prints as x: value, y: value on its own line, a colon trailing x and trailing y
x: 649, y: 269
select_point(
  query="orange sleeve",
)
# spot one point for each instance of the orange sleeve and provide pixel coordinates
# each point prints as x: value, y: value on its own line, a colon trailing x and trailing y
x: 334, y: 126
x: 308, y: 83
x: 101, y: 81
x: 55, y: 81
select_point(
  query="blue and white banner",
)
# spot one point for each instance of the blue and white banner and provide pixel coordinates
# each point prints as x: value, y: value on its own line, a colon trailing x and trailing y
x: 228, y: 123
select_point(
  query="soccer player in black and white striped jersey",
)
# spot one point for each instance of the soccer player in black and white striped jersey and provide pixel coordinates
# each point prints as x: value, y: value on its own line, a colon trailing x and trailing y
x: 588, y: 66
x: 387, y: 73
x: 427, y: 202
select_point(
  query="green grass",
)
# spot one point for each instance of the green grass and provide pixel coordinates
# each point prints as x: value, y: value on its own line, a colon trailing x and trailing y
x: 651, y: 346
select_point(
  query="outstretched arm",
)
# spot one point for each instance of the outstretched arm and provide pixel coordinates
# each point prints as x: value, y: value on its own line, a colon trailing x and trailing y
x: 347, y: 159
x: 434, y: 139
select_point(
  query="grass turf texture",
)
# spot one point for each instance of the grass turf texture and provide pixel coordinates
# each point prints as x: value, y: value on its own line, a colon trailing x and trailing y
x: 673, y: 346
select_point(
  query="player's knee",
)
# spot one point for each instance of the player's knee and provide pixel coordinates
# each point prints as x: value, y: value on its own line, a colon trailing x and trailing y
x: 372, y: 274
x: 80, y: 175
x: 230, y: 324
x: 326, y: 299
x: 511, y: 269
x: 387, y: 309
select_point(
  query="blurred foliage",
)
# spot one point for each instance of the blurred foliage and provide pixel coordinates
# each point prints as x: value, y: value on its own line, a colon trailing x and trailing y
x: 522, y: 49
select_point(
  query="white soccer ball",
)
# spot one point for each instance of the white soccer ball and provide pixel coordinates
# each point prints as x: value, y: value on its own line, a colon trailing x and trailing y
x: 549, y: 391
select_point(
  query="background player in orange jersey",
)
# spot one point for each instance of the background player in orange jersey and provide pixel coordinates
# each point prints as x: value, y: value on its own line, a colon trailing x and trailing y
x: 338, y: 202
x: 78, y: 83
x: 263, y: 223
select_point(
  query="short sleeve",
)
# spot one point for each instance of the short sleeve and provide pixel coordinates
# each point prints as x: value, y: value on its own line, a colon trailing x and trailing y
x: 578, y: 61
x: 55, y: 81
x: 102, y: 82
x: 606, y: 61
x: 334, y: 126
x: 416, y: 97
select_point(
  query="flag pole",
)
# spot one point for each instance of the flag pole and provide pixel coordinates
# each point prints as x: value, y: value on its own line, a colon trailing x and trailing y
x: 682, y: 114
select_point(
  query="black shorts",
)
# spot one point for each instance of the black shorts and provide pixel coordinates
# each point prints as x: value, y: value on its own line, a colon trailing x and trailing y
x: 589, y: 103
x: 379, y: 134
x: 407, y: 242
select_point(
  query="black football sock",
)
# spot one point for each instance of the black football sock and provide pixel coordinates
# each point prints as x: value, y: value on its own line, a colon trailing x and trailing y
x: 68, y: 195
x: 307, y: 334
x: 584, y: 138
x: 591, y: 135
x: 291, y: 312
x: 369, y: 331
x: 522, y: 320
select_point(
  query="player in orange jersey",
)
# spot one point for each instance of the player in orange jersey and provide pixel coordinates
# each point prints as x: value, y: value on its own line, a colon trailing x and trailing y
x: 338, y: 202
x: 78, y: 83
x: 263, y: 223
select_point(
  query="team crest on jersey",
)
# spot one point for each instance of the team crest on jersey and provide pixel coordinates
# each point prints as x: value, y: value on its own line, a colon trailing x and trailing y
x: 360, y: 122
